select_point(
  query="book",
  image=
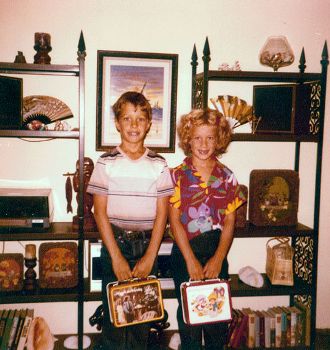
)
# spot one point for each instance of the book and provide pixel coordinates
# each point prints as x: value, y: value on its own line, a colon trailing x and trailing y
x: 293, y: 326
x: 233, y: 339
x: 267, y: 318
x: 8, y: 326
x: 19, y: 329
x: 25, y: 329
x: 272, y: 329
x: 250, y: 336
x: 287, y: 318
x: 306, y: 322
x: 3, y: 316
x: 261, y: 328
x: 13, y: 329
x: 240, y: 335
x: 298, y: 336
x: 256, y: 331
x: 278, y: 325
x: 232, y: 326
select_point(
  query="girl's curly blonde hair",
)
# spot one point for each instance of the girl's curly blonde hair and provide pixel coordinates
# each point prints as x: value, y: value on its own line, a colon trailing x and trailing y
x: 199, y: 117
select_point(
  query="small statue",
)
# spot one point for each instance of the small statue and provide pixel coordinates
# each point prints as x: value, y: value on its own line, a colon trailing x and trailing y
x: 89, y: 221
x: 42, y: 46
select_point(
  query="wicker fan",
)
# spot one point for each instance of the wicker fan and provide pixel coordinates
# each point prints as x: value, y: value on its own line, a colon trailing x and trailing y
x: 45, y: 109
x: 236, y: 110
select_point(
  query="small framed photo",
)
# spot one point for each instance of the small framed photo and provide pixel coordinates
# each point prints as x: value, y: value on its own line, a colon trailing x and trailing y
x: 274, y: 196
x: 58, y: 265
x: 11, y: 272
x: 95, y: 267
x: 154, y: 75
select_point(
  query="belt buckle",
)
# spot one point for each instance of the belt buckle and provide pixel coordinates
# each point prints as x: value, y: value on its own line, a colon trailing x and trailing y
x: 133, y: 235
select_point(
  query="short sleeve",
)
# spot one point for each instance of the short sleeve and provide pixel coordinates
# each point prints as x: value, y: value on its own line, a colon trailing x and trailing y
x: 164, y: 183
x: 175, y: 199
x: 235, y: 196
x: 99, y: 181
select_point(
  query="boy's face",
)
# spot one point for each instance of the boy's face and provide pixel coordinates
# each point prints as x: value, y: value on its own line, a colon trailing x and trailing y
x: 132, y: 124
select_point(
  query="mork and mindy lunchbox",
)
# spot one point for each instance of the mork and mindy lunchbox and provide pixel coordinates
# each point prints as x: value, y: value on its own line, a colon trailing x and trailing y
x: 135, y: 301
x: 206, y: 301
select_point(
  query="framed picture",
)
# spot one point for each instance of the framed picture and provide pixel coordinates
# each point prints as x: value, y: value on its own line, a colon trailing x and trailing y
x: 58, y: 265
x: 11, y: 272
x: 275, y: 105
x: 11, y: 102
x: 154, y: 75
x: 273, y: 197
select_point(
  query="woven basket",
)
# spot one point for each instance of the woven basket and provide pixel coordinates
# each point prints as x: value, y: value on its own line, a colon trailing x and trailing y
x: 279, y: 264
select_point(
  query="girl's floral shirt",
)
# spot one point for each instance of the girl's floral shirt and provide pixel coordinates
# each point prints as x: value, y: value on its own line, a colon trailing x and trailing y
x: 204, y: 206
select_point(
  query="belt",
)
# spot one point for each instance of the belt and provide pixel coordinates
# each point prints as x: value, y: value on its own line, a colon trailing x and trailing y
x: 130, y: 235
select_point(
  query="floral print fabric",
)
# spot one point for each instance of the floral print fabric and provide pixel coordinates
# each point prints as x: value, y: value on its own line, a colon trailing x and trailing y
x: 204, y: 206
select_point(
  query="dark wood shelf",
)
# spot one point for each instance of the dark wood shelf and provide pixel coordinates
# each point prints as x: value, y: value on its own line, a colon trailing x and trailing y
x: 57, y: 230
x: 40, y: 134
x: 39, y: 69
x: 254, y: 76
x: 40, y: 296
x: 273, y: 137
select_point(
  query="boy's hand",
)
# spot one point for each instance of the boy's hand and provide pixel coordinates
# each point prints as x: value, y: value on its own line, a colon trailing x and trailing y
x: 212, y: 268
x: 195, y: 270
x: 143, y: 267
x: 121, y: 268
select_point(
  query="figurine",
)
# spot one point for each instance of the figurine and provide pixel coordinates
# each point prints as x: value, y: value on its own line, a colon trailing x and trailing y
x: 42, y: 46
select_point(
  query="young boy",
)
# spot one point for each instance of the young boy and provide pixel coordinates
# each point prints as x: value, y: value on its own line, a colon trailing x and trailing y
x: 131, y: 186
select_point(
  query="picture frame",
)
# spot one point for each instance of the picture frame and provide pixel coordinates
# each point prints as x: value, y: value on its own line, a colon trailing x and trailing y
x: 95, y: 267
x: 11, y: 103
x: 273, y: 197
x: 11, y: 272
x: 153, y: 74
x: 58, y: 265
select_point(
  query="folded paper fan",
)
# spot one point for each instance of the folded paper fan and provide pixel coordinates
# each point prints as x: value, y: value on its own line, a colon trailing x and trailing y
x: 236, y: 110
x: 45, y: 109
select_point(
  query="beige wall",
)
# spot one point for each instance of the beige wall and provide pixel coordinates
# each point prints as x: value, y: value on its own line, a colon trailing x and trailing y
x: 236, y: 31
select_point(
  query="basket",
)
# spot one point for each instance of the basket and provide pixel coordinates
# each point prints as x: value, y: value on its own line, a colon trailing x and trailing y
x: 279, y: 264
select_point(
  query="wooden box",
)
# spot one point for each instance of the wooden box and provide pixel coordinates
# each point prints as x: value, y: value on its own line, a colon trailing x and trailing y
x: 273, y: 198
x: 11, y: 272
x: 134, y: 302
x: 58, y: 265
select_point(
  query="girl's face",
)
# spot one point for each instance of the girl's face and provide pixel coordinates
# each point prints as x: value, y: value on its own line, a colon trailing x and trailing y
x: 203, y: 141
x: 133, y: 124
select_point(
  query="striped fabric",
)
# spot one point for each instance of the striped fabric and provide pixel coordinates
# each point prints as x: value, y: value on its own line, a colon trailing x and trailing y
x: 132, y: 187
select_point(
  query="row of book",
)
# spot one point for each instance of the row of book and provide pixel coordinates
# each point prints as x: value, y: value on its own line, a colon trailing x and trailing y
x: 276, y: 327
x: 14, y: 327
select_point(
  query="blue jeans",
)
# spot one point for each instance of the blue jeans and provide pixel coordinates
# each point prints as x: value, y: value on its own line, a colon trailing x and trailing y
x: 215, y: 335
x: 124, y: 338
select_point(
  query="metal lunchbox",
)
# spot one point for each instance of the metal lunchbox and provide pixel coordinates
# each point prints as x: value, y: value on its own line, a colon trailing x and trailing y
x: 206, y: 301
x: 135, y: 301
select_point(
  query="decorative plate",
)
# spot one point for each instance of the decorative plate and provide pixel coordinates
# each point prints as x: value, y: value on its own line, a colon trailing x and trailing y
x: 45, y: 109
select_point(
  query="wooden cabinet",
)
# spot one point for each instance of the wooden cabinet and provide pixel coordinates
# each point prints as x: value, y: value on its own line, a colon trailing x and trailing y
x: 304, y: 239
x: 58, y: 230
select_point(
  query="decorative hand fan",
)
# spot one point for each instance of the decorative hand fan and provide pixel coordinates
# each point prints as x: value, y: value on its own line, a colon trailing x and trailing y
x: 44, y: 109
x: 236, y: 110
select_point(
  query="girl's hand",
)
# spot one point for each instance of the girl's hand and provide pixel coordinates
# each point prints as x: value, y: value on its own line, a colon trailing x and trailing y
x: 195, y: 269
x: 143, y: 267
x: 121, y: 268
x: 212, y: 268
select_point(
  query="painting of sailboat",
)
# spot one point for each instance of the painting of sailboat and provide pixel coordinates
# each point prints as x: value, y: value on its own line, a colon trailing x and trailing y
x: 156, y: 79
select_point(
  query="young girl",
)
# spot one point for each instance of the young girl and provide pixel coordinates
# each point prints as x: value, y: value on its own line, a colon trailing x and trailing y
x: 202, y: 215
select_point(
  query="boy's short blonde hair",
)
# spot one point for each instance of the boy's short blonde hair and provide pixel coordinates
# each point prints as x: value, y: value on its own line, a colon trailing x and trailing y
x: 136, y: 99
x: 199, y: 117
